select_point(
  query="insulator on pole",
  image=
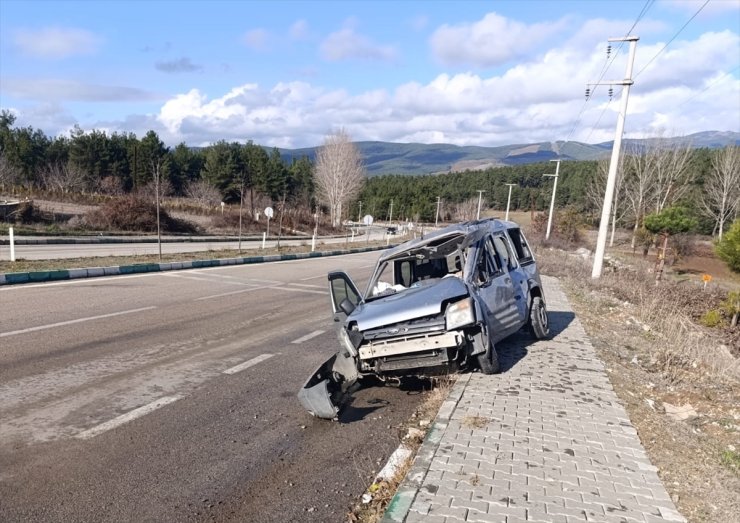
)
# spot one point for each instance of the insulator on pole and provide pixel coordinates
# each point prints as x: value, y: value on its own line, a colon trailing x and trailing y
x: 608, y: 51
x: 588, y: 93
x: 611, y: 93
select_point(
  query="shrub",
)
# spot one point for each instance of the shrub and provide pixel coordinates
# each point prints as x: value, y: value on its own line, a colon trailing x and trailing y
x: 134, y: 214
x: 728, y: 249
x: 731, y: 306
x: 712, y: 318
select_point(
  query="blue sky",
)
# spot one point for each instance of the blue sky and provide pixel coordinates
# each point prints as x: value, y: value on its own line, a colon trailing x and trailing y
x: 288, y: 73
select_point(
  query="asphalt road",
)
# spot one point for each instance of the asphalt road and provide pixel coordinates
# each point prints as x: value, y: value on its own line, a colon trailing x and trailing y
x: 172, y: 397
x: 56, y: 251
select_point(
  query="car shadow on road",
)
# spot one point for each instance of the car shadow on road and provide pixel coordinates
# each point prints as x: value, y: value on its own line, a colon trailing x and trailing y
x: 515, y: 348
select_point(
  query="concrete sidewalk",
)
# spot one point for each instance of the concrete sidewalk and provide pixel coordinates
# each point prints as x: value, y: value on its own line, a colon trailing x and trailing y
x: 546, y: 440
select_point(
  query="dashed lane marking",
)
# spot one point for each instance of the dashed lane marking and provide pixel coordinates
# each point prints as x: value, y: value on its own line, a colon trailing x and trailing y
x: 248, y: 363
x: 299, y: 290
x: 72, y: 322
x: 307, y: 337
x: 125, y: 418
x: 307, y: 285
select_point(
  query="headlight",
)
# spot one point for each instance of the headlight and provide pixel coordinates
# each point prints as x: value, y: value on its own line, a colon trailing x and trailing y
x: 460, y: 314
x: 344, y: 337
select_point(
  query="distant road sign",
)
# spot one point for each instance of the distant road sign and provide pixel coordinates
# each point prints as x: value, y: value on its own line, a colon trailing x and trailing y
x: 367, y: 219
x: 269, y: 212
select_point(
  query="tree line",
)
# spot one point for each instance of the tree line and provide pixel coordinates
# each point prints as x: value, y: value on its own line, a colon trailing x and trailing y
x: 649, y: 178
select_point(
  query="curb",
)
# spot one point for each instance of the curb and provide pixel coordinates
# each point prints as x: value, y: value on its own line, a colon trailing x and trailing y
x: 16, y: 278
x: 399, y: 506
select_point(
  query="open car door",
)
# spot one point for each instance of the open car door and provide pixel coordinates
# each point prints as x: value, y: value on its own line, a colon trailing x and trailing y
x: 325, y: 390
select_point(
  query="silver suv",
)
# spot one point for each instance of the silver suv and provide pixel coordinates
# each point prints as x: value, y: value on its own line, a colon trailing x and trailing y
x: 433, y: 305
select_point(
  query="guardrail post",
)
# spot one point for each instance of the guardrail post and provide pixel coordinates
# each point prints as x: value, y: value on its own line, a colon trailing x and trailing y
x: 12, y: 245
x: 264, y: 237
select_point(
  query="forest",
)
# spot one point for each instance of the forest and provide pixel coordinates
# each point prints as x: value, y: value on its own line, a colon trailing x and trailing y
x: 95, y: 162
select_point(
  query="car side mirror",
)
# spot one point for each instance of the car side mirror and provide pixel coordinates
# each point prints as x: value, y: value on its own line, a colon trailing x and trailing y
x: 347, y: 306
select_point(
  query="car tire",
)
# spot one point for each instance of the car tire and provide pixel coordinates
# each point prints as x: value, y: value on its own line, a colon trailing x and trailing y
x: 539, y: 325
x: 488, y: 360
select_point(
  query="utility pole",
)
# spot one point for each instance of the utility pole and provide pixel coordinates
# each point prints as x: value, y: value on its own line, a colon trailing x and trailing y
x: 359, y: 216
x: 480, y: 199
x: 614, y: 162
x: 390, y: 216
x: 552, y: 200
x: 508, y: 201
x: 436, y: 218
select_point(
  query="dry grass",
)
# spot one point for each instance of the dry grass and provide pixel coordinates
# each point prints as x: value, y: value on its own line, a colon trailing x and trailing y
x: 475, y: 422
x: 667, y: 314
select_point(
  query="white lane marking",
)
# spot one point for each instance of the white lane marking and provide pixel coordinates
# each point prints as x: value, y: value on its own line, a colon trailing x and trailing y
x: 125, y: 418
x: 209, y: 278
x: 248, y: 363
x: 299, y: 290
x: 212, y: 296
x: 72, y: 322
x: 314, y: 277
x: 307, y: 337
x: 307, y: 285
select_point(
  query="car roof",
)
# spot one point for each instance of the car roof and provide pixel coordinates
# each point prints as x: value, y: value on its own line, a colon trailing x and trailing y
x: 472, y: 230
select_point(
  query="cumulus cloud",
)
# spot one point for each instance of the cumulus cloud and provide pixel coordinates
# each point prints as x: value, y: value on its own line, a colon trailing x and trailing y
x: 256, y: 39
x: 56, y: 42
x: 493, y: 40
x: 347, y: 44
x: 181, y: 65
x: 54, y: 90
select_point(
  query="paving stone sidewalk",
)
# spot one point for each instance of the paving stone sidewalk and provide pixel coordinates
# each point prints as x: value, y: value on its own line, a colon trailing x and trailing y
x: 546, y: 440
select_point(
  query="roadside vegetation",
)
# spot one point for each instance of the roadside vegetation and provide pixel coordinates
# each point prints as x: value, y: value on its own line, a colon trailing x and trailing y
x: 672, y: 352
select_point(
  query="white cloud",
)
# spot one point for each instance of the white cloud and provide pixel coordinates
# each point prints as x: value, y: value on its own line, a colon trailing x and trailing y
x: 51, y: 89
x: 299, y: 30
x: 56, y: 42
x: 493, y: 40
x: 181, y: 65
x: 347, y: 44
x: 256, y: 39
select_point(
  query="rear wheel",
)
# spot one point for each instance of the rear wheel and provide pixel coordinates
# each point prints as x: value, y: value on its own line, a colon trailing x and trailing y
x: 539, y: 325
x: 488, y: 360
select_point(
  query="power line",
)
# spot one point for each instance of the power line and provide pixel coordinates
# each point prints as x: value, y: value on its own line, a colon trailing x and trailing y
x: 712, y: 84
x: 647, y: 64
x: 672, y: 39
x: 648, y: 4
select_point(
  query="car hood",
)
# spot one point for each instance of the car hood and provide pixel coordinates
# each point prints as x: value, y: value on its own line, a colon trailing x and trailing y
x: 407, y: 305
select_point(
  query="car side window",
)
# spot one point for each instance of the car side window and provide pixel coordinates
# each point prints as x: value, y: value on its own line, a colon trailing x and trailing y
x: 502, y: 249
x: 488, y: 264
x: 523, y: 252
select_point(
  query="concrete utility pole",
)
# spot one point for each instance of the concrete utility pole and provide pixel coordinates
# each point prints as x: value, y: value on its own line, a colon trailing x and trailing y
x: 436, y: 218
x: 614, y: 162
x: 359, y: 215
x: 508, y: 201
x: 480, y: 199
x: 390, y: 217
x: 552, y: 200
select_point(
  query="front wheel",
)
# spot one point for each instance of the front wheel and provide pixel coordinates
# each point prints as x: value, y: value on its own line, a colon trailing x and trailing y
x: 488, y: 360
x: 539, y: 325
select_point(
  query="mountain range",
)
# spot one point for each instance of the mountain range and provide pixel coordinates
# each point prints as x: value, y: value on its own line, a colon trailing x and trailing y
x: 416, y: 158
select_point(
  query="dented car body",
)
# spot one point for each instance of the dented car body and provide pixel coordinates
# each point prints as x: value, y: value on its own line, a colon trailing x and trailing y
x: 433, y: 305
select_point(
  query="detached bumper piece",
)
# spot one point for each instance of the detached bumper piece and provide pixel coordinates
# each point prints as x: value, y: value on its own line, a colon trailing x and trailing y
x: 324, y: 392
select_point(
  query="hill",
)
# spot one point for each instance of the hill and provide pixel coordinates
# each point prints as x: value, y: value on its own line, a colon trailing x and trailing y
x: 415, y: 158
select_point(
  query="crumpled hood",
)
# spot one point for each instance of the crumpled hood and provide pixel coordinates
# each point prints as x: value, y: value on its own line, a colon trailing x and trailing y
x: 407, y: 305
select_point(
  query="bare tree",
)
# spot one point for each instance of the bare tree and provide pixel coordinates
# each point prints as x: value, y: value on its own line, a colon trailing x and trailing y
x: 203, y: 193
x: 465, y: 210
x: 597, y: 186
x: 9, y: 173
x: 721, y: 197
x: 639, y: 186
x: 63, y: 178
x: 672, y: 177
x: 339, y: 173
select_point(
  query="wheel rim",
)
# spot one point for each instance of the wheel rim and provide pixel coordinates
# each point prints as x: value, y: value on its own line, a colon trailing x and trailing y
x: 542, y: 313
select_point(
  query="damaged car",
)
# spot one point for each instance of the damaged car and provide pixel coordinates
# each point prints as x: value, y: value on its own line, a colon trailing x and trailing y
x: 433, y: 305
